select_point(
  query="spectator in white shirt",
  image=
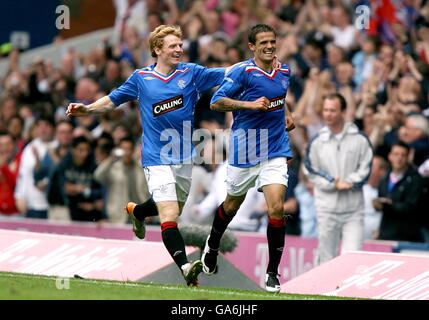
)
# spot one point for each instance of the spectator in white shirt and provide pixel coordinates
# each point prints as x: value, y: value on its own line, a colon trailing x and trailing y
x: 30, y: 198
x: 372, y: 217
x: 343, y: 31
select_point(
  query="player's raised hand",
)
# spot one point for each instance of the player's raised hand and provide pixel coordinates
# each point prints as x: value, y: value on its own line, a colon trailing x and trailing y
x: 261, y: 103
x: 76, y: 110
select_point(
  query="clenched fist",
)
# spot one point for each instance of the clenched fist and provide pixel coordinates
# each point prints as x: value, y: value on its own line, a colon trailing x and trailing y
x: 76, y: 110
x: 259, y: 104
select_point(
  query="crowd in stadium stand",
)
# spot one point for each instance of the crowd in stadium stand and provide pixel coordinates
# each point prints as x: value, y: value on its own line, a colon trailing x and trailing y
x: 60, y: 168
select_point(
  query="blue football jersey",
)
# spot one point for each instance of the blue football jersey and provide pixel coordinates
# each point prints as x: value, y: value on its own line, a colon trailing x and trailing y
x: 167, y: 105
x: 257, y: 135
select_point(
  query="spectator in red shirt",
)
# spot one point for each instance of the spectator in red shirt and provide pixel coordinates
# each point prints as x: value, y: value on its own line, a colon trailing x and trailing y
x: 9, y: 164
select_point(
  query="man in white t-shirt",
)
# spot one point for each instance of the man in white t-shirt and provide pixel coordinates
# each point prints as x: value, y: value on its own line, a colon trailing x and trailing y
x: 31, y: 199
x: 372, y: 217
x: 343, y: 31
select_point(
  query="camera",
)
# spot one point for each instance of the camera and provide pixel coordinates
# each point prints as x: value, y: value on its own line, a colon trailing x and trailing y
x: 118, y: 152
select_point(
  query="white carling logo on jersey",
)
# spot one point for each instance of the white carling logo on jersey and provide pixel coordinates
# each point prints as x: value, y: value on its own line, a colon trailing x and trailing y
x: 167, y: 105
x: 276, y: 103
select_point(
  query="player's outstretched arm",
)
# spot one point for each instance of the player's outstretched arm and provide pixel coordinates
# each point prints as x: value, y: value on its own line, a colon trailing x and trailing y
x: 100, y: 106
x: 228, y: 104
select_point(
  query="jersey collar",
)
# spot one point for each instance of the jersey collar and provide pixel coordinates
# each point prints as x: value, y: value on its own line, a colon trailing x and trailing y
x: 270, y: 75
x: 160, y: 76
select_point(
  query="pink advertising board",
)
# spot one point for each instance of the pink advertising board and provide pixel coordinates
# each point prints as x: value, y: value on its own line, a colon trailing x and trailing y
x: 86, y: 229
x: 65, y: 256
x: 390, y: 276
x: 251, y: 255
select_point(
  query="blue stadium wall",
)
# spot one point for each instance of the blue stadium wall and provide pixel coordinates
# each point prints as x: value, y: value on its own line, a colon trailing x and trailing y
x: 37, y: 17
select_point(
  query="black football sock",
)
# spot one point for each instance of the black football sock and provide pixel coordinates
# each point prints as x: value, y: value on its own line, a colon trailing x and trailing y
x: 145, y: 209
x: 220, y: 223
x: 276, y: 239
x: 174, y: 243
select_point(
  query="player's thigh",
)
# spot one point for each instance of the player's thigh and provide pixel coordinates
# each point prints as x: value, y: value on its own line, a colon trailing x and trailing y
x: 273, y: 171
x: 274, y: 196
x: 161, y: 183
x: 240, y: 180
x: 168, y: 210
x: 183, y: 176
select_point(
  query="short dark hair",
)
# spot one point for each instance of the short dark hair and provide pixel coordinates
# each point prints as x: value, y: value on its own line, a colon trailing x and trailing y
x: 259, y: 28
x: 213, y: 60
x: 401, y: 144
x: 375, y: 41
x: 66, y: 121
x: 46, y: 118
x: 339, y: 97
x: 78, y: 140
x: 4, y: 133
x: 238, y: 49
x: 105, y: 143
x: 18, y: 117
x: 128, y: 139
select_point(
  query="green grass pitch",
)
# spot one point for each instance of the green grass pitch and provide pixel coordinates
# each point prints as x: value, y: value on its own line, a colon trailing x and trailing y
x: 15, y: 286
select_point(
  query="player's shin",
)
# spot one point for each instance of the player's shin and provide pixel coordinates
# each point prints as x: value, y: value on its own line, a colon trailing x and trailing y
x: 174, y: 243
x: 276, y: 240
x: 220, y: 223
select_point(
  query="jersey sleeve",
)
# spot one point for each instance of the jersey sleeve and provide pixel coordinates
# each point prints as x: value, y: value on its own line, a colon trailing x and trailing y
x: 286, y: 69
x: 207, y: 78
x: 128, y: 91
x: 230, y: 86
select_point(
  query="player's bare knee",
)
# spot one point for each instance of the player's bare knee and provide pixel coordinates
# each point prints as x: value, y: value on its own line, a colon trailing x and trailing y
x: 276, y: 210
x: 231, y: 207
x: 168, y: 216
x: 232, y: 204
x: 168, y: 219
